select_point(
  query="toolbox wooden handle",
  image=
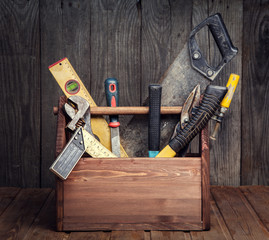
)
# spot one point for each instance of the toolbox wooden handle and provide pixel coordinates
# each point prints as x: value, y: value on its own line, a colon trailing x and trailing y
x: 132, y: 110
x: 127, y: 110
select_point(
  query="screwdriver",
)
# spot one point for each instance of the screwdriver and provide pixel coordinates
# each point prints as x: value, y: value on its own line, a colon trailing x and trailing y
x: 225, y: 103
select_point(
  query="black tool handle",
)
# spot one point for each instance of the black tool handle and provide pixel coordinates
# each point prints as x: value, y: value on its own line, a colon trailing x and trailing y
x: 211, y: 102
x: 221, y: 36
x: 155, y: 93
x: 112, y: 98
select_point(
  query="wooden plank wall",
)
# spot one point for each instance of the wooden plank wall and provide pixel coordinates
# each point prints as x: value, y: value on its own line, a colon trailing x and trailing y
x: 134, y: 41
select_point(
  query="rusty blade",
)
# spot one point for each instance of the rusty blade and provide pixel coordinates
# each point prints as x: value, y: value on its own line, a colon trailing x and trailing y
x: 192, y: 101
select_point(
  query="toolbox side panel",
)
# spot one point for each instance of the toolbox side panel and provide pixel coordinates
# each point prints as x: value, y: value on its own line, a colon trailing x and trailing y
x: 133, y: 193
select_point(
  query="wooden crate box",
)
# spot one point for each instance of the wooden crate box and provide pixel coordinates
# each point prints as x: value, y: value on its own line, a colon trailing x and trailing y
x: 133, y: 193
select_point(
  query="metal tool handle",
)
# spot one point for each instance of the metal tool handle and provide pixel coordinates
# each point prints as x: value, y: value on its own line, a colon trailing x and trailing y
x: 155, y: 93
x: 221, y: 36
x: 112, y: 98
x: 209, y: 105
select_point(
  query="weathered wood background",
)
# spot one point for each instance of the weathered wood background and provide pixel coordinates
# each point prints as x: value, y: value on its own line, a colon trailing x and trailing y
x: 134, y: 41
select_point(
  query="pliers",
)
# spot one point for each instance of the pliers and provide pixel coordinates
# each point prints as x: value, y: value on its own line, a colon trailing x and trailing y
x: 188, y: 110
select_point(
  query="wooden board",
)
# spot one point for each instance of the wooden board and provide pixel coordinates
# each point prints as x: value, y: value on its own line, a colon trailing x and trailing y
x: 20, y: 94
x: 255, y: 134
x: 29, y: 214
x: 133, y: 194
x: 258, y: 199
x: 238, y: 214
x: 161, y: 193
x: 225, y: 152
x: 17, y: 218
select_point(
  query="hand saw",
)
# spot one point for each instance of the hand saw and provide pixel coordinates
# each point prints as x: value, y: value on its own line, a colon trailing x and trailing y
x: 189, y: 69
x: 71, y: 84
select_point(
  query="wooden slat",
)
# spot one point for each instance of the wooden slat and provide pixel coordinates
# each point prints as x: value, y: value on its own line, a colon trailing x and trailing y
x: 218, y: 228
x: 258, y: 197
x: 205, y: 175
x: 90, y: 235
x: 20, y: 214
x: 60, y: 143
x: 255, y: 134
x: 241, y: 219
x: 226, y: 150
x: 168, y: 235
x: 20, y: 94
x: 7, y: 195
x: 156, y: 29
x: 106, y: 190
x: 51, y: 40
x: 122, y: 235
x: 44, y: 226
x: 162, y: 38
x: 199, y: 13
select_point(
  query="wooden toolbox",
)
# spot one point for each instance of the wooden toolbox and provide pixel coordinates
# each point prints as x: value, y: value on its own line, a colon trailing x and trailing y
x: 134, y: 193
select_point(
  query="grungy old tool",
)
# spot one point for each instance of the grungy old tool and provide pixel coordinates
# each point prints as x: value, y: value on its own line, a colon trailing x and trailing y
x: 188, y: 110
x: 189, y: 69
x: 71, y: 84
x: 210, y: 104
x: 82, y: 141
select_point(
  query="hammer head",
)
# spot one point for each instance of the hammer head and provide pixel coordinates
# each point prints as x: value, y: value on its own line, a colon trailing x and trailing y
x: 81, y: 106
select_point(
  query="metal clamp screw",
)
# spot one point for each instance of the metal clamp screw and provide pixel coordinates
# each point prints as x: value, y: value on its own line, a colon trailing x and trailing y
x: 210, y: 72
x: 196, y: 55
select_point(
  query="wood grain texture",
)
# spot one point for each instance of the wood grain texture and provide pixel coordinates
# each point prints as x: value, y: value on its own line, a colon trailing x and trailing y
x: 225, y: 152
x: 134, y: 41
x: 205, y: 174
x: 168, y: 235
x: 255, y: 131
x: 43, y: 227
x: 132, y: 110
x: 258, y: 197
x: 20, y: 91
x: 7, y: 195
x: 251, y: 205
x: 17, y: 218
x: 61, y: 140
x: 115, y: 39
x: 133, y: 194
x: 218, y: 227
x: 51, y: 17
x: 240, y: 218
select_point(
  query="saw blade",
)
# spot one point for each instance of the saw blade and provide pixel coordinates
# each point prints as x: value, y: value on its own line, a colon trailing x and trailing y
x: 188, y: 70
x: 115, y: 141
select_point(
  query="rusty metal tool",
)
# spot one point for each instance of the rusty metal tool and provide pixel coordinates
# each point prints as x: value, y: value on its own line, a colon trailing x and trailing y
x: 188, y: 69
x: 210, y: 104
x: 83, y: 140
x: 71, y: 84
x: 188, y: 110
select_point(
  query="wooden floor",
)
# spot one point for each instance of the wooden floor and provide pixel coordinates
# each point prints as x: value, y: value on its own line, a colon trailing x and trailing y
x: 236, y: 213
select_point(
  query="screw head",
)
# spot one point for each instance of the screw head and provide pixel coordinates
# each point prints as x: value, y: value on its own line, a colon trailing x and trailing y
x: 196, y: 55
x: 210, y: 72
